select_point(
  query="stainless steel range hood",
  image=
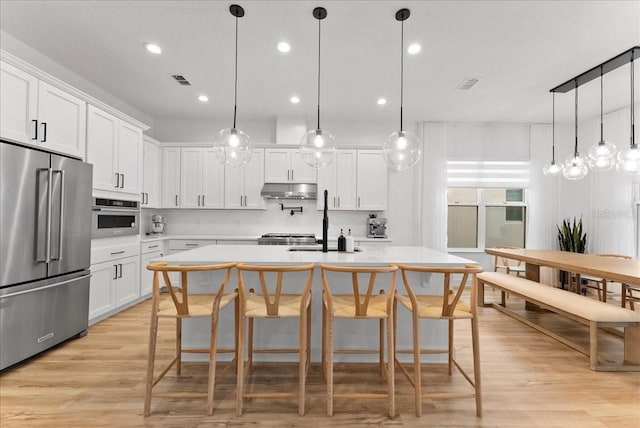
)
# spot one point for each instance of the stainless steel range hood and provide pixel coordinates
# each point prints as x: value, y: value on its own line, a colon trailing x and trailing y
x: 289, y: 191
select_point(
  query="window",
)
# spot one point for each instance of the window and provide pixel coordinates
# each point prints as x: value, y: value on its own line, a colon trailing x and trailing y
x: 480, y: 218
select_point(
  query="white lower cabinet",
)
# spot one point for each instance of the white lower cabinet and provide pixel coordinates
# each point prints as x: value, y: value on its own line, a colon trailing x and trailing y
x: 149, y: 251
x: 115, y: 280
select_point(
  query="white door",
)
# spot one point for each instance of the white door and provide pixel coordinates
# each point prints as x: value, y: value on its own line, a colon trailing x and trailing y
x: 151, y: 182
x: 129, y: 158
x: 346, y: 163
x: 254, y: 180
x: 191, y: 178
x: 300, y: 171
x: 63, y: 120
x: 128, y: 285
x: 102, y: 291
x: 371, y: 181
x: 18, y: 105
x: 102, y: 135
x: 170, y: 177
x: 277, y: 168
x: 213, y: 180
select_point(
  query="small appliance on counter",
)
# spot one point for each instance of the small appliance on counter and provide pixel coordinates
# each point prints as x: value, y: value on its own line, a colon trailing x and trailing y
x: 376, y: 227
x: 157, y: 224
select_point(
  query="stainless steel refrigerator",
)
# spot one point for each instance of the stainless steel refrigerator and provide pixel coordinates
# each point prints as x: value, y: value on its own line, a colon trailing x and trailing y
x: 45, y: 246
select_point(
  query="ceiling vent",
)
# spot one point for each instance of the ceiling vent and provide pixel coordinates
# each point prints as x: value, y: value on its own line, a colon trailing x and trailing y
x: 468, y: 83
x: 181, y: 80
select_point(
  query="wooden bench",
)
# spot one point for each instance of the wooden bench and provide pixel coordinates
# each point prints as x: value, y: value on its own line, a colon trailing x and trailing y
x: 585, y: 310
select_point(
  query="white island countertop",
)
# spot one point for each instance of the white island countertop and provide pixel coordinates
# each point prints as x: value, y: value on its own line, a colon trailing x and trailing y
x: 280, y: 254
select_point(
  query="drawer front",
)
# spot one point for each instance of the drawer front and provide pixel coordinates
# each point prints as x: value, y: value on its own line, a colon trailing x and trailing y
x: 106, y: 254
x: 188, y: 244
x: 150, y: 247
x: 232, y: 242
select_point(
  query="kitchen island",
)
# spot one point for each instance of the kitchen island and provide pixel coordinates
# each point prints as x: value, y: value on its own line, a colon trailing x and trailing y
x: 284, y: 332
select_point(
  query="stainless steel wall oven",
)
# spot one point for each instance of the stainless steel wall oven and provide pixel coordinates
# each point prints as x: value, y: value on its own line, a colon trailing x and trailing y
x: 114, y: 217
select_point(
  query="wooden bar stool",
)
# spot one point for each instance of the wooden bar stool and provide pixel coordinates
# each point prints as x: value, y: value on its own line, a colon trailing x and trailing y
x: 272, y: 303
x: 179, y: 303
x: 361, y: 304
x: 446, y: 306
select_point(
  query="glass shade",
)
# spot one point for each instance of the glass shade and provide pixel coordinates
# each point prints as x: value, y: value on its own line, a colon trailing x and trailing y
x: 575, y: 167
x: 629, y: 161
x: 602, y: 163
x: 232, y: 147
x: 401, y: 150
x: 552, y: 169
x: 602, y: 149
x: 318, y: 148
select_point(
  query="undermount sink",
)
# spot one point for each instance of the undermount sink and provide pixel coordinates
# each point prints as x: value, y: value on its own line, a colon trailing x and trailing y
x: 355, y: 249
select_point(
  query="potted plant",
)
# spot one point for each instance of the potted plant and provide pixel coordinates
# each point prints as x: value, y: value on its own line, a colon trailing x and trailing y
x: 571, y: 237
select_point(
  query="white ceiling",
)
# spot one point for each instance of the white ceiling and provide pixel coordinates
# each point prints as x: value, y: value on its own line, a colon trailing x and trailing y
x: 519, y: 49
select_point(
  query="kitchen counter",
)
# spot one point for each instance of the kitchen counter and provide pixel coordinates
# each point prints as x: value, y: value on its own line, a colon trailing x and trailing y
x: 282, y: 333
x: 165, y: 237
x: 280, y: 254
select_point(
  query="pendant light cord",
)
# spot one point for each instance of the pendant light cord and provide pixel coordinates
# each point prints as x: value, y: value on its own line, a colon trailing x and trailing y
x: 601, y: 108
x: 235, y: 91
x: 319, y: 34
x: 575, y: 150
x: 633, y: 125
x: 401, y: 70
x: 553, y: 129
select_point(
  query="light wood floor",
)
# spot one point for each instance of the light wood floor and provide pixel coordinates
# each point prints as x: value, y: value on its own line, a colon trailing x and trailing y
x: 528, y: 380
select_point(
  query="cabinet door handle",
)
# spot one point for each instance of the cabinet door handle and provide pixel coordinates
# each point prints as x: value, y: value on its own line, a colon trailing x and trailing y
x: 203, y: 200
x: 292, y: 175
x: 117, y: 180
x: 120, y: 265
x: 35, y: 129
x: 176, y: 200
x: 117, y: 252
x: 190, y: 245
x: 334, y: 202
x: 147, y: 199
x: 142, y: 197
x: 122, y: 185
x: 240, y: 200
x: 358, y: 201
x: 198, y: 200
x: 115, y: 274
x: 338, y: 201
x: 153, y: 246
x: 44, y: 132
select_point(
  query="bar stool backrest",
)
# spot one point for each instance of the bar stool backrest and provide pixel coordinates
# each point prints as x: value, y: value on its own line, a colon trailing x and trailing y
x: 362, y: 296
x: 180, y: 295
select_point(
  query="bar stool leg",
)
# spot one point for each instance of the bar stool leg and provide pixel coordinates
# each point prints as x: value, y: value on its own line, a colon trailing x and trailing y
x: 476, y: 365
x: 179, y: 346
x: 250, y: 345
x: 153, y: 337
x: 302, y: 362
x: 450, y: 354
x: 324, y: 341
x: 212, y: 363
x: 391, y: 366
x: 417, y: 368
x: 329, y: 365
x: 240, y: 370
x: 381, y: 348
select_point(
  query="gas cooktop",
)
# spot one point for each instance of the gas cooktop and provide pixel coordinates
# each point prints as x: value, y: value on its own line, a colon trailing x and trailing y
x: 287, y: 239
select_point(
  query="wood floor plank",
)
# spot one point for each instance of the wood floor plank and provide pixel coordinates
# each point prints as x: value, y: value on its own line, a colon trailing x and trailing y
x: 529, y: 380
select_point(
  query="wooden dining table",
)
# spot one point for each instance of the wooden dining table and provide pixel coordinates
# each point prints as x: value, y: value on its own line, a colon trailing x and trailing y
x: 624, y: 271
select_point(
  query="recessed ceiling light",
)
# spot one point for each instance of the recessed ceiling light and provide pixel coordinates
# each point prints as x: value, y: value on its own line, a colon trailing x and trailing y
x: 153, y: 48
x: 294, y: 99
x: 203, y: 98
x: 382, y: 101
x: 284, y: 47
x: 414, y: 49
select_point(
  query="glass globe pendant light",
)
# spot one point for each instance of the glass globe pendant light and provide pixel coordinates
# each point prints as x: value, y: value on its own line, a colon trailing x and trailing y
x: 317, y: 147
x: 402, y: 149
x: 575, y: 167
x: 602, y: 155
x: 231, y: 146
x: 629, y: 159
x: 552, y: 169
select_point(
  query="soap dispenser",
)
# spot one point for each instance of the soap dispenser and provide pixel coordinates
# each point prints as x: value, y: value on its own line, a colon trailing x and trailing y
x: 342, y: 242
x: 349, y: 243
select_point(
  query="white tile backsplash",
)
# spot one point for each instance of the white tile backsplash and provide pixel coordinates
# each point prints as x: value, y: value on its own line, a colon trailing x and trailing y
x: 258, y: 222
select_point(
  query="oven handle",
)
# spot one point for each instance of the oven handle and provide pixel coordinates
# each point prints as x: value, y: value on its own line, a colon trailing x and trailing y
x: 17, y: 293
x: 116, y: 210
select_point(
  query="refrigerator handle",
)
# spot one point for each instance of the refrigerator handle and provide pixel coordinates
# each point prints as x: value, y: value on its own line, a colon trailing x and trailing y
x: 61, y: 220
x: 48, y: 233
x: 45, y: 258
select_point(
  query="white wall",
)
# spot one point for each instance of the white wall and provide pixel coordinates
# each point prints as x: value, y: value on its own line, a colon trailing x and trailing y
x: 40, y: 60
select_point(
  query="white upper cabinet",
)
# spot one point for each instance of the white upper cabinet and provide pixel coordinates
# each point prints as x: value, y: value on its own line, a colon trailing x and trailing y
x: 171, y: 177
x: 37, y: 113
x: 243, y: 184
x: 114, y: 147
x: 357, y: 180
x: 201, y: 178
x: 286, y: 166
x: 371, y: 181
x: 151, y: 174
